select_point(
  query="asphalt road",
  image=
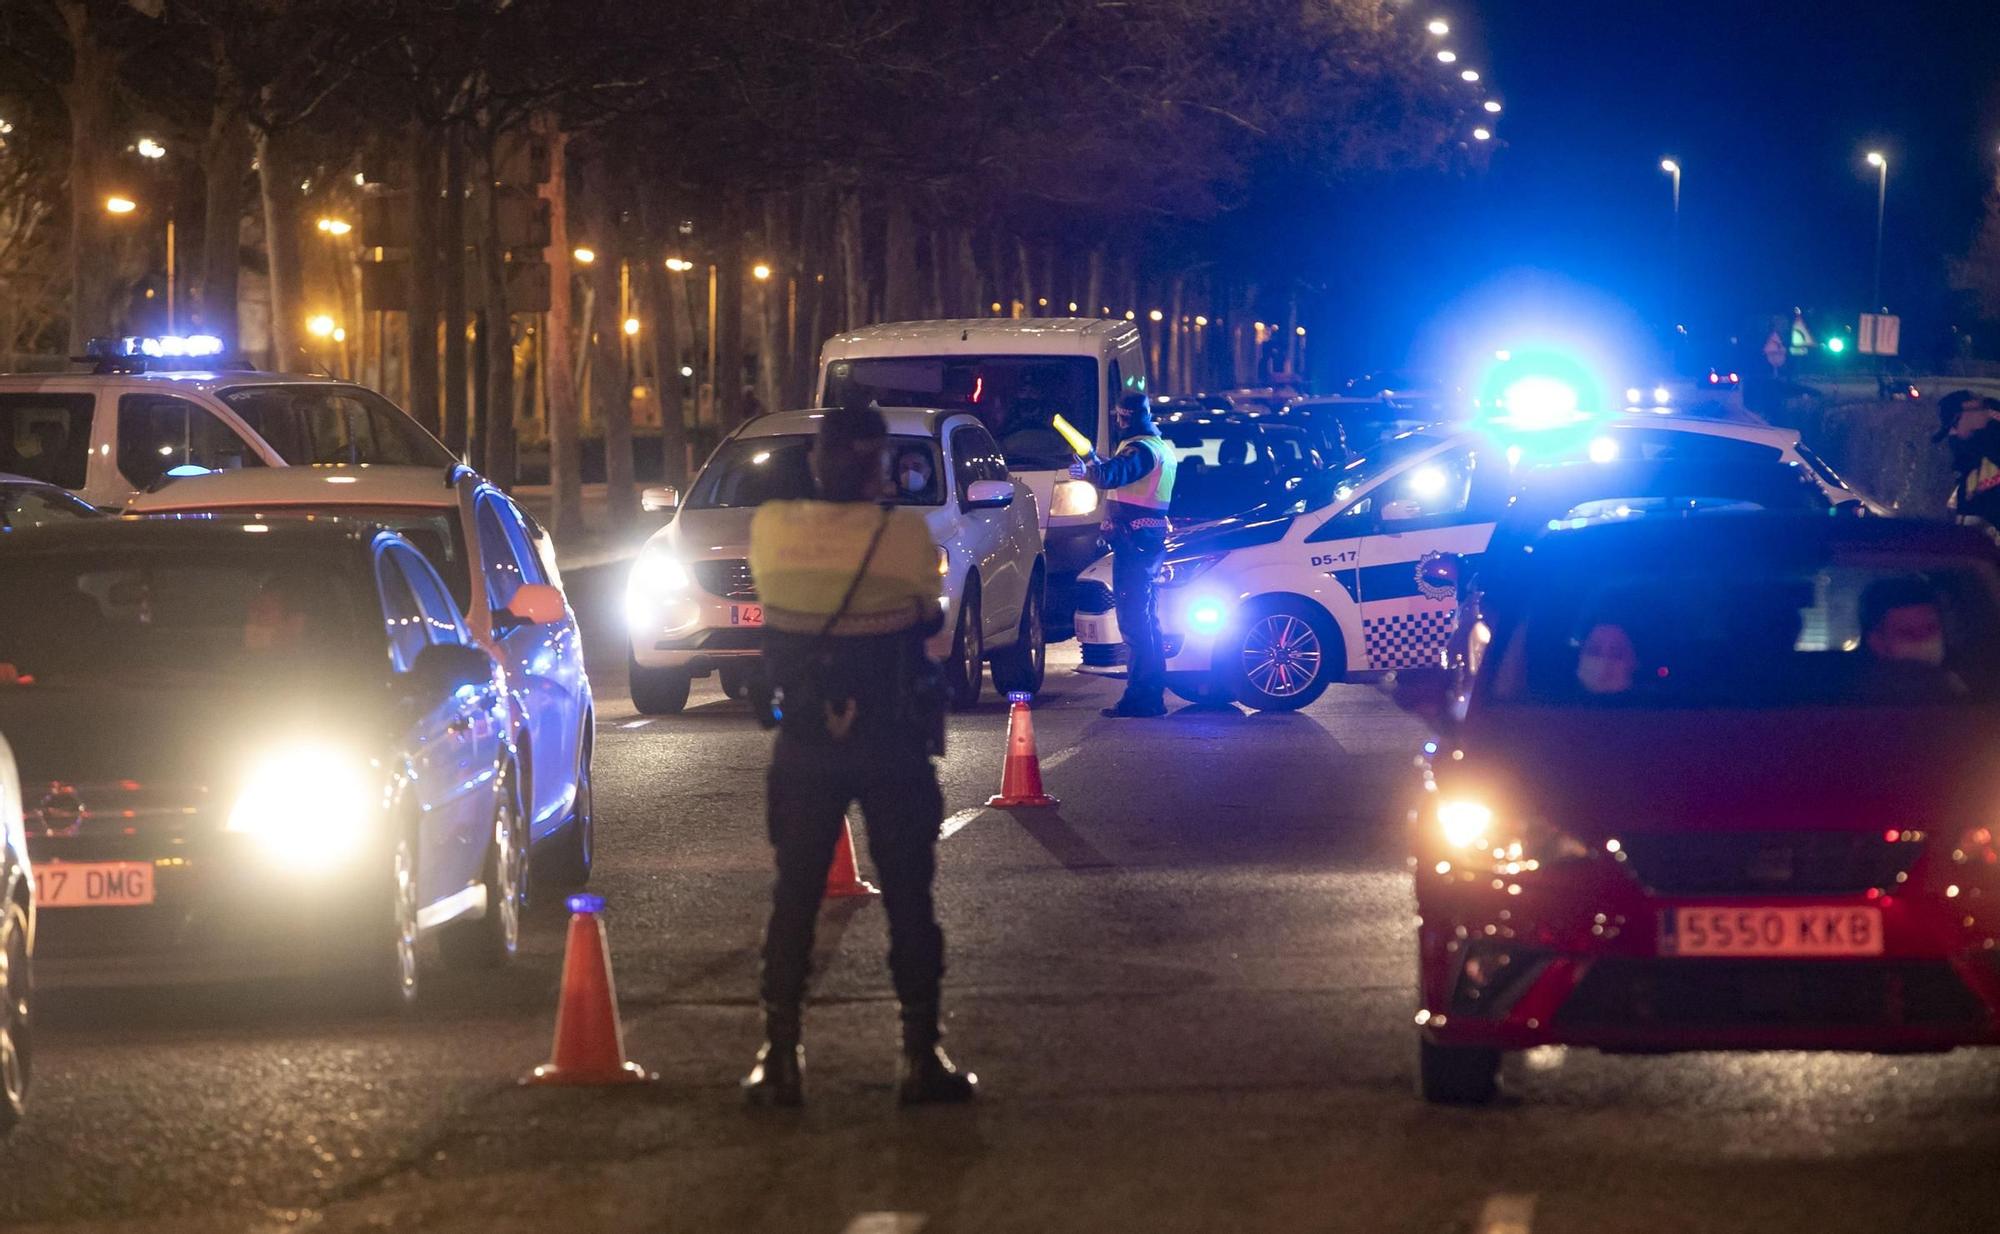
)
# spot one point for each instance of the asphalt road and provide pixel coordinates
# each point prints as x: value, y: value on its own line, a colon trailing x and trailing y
x: 1187, y: 991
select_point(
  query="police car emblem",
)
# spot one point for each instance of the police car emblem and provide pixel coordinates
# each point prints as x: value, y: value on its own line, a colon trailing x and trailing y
x: 1433, y: 582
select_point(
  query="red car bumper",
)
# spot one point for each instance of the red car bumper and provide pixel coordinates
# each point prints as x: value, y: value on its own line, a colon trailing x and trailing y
x: 1575, y: 955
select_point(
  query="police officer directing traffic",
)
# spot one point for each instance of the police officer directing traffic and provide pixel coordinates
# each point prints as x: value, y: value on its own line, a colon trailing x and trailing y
x: 1138, y: 480
x: 850, y: 592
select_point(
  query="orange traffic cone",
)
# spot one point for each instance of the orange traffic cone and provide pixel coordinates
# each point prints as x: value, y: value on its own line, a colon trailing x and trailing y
x: 1021, y: 774
x: 590, y: 1046
x: 843, y: 878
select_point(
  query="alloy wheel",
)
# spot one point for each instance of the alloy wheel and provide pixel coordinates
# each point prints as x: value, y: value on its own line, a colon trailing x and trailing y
x: 17, y: 988
x: 404, y: 872
x: 1282, y: 655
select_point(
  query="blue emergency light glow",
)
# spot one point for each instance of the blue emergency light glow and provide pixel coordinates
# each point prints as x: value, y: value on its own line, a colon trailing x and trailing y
x: 184, y: 470
x: 1206, y: 616
x: 585, y: 904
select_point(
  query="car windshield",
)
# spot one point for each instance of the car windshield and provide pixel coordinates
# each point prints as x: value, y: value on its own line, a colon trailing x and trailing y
x: 1016, y: 397
x: 1341, y: 483
x: 750, y: 471
x: 433, y: 531
x: 117, y: 617
x: 332, y: 423
x: 1222, y: 470
x: 32, y: 505
x: 1908, y: 632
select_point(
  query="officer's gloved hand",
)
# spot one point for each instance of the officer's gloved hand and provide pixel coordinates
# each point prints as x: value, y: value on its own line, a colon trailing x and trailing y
x: 1080, y: 469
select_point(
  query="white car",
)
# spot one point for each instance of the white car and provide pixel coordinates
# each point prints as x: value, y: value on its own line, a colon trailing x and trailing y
x: 1272, y: 606
x: 692, y: 608
x: 127, y: 428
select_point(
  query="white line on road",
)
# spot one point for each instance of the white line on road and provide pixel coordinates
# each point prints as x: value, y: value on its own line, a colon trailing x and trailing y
x: 635, y: 724
x: 886, y: 1223
x: 956, y: 823
x: 1060, y: 757
x: 1506, y: 1214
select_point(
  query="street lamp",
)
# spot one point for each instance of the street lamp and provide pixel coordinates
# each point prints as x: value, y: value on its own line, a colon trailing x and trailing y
x: 1492, y: 107
x: 760, y: 272
x: 632, y: 325
x: 1469, y: 75
x: 320, y: 326
x: 1439, y: 26
x: 1447, y: 56
x: 335, y: 227
x: 120, y: 205
x: 584, y: 256
x: 1482, y: 134
x: 1881, y: 165
x: 1673, y: 169
x: 150, y: 149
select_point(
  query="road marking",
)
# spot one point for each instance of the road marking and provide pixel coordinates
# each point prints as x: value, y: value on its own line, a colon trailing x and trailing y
x: 1506, y: 1214
x: 635, y: 724
x: 956, y: 823
x: 886, y: 1223
x: 1060, y: 757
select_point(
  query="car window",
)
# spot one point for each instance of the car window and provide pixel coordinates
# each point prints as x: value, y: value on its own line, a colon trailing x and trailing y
x: 21, y: 508
x: 400, y: 614
x: 158, y: 434
x: 500, y: 558
x: 1635, y: 445
x: 47, y: 436
x: 312, y: 423
x: 750, y: 471
x: 1016, y: 397
x: 975, y: 456
x: 520, y: 531
x: 441, y: 620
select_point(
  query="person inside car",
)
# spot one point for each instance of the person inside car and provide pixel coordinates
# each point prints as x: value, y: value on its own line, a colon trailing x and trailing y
x: 1607, y: 662
x: 913, y: 472
x: 1902, y: 624
x: 275, y: 620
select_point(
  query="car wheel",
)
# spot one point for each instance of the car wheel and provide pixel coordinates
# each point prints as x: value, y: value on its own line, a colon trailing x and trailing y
x: 1201, y: 689
x: 1021, y: 668
x: 658, y: 691
x: 394, y: 978
x: 494, y: 938
x: 1286, y: 655
x: 17, y: 988
x: 968, y: 653
x: 1456, y: 1075
x: 567, y: 863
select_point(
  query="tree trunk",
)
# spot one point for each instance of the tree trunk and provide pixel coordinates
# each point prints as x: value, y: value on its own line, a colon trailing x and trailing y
x: 771, y: 305
x: 284, y: 249
x: 225, y: 156
x: 559, y: 373
x: 1093, y: 289
x: 89, y: 96
x: 498, y: 431
x: 610, y: 384
x: 663, y: 322
x: 899, y: 262
x: 729, y: 315
x: 1027, y: 278
x: 853, y: 274
x: 971, y: 292
x: 451, y: 246
x: 421, y: 320
x: 1177, y: 377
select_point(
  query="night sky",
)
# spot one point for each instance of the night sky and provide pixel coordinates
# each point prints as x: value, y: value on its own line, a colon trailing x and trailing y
x: 1769, y: 107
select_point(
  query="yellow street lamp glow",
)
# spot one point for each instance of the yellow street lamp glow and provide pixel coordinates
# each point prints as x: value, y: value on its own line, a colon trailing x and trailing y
x: 1301, y: 331
x: 996, y: 306
x: 1156, y: 315
x: 1492, y: 107
x: 120, y: 205
x: 150, y: 149
x: 760, y: 272
x: 679, y: 265
x: 1670, y: 167
x: 1199, y: 320
x: 1875, y: 159
x: 1482, y: 134
x: 1072, y: 306
x: 1130, y: 315
x: 1439, y: 26
x: 631, y: 325
x: 335, y: 227
x: 1469, y: 75
x: 340, y: 334
x: 584, y: 255
x: 1447, y: 56
x: 320, y: 326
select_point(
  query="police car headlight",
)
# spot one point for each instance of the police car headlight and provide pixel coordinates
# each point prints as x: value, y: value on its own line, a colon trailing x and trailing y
x: 308, y: 805
x: 1187, y: 569
x: 1073, y: 497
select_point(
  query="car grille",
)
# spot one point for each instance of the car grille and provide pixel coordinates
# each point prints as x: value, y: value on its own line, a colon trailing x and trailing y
x: 1093, y: 597
x: 1768, y: 993
x: 1776, y: 862
x: 728, y: 577
x: 113, y: 808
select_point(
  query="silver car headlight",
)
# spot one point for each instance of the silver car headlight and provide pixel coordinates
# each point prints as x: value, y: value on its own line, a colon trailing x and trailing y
x: 658, y: 579
x: 1185, y: 570
x: 1072, y: 498
x: 308, y: 805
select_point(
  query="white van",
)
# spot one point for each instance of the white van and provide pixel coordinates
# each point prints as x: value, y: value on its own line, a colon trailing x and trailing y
x: 1016, y: 376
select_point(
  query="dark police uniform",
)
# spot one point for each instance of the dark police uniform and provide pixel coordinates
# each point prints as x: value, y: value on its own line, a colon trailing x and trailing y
x: 1139, y: 485
x: 852, y: 728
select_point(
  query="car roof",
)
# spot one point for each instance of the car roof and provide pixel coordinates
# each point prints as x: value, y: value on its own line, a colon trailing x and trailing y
x: 319, y: 485
x: 208, y: 534
x: 903, y: 422
x: 206, y: 380
x: 1737, y: 538
x: 982, y: 336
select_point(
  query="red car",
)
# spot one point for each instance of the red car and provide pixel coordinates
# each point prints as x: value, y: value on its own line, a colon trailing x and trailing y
x: 1716, y: 783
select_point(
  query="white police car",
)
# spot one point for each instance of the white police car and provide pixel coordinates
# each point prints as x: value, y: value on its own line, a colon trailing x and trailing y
x: 1270, y: 607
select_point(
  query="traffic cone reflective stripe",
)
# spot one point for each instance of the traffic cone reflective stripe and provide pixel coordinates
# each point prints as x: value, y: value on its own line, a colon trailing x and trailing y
x: 843, y: 878
x: 589, y: 1045
x: 1021, y: 774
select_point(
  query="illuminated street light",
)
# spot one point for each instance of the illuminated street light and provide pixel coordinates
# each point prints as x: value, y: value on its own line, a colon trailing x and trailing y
x: 320, y: 326
x: 1447, y: 56
x: 1492, y: 107
x: 1130, y: 315
x: 679, y: 265
x: 584, y: 255
x: 631, y: 325
x: 1482, y: 134
x: 335, y: 227
x: 1156, y: 315
x: 760, y: 272
x: 340, y: 334
x: 687, y: 370
x: 1439, y: 26
x: 1072, y: 306
x: 1836, y: 344
x: 1199, y: 320
x: 120, y: 205
x: 1469, y: 75
x: 150, y: 149
x: 1880, y: 164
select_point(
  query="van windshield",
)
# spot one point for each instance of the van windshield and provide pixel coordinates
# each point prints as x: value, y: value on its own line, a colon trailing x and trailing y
x: 1016, y: 397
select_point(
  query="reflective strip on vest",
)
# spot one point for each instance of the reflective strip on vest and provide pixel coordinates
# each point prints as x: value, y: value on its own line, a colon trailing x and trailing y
x: 1155, y: 489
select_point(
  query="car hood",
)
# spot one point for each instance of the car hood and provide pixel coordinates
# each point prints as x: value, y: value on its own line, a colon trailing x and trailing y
x: 206, y: 736
x: 1263, y: 525
x: 1597, y: 772
x: 707, y: 533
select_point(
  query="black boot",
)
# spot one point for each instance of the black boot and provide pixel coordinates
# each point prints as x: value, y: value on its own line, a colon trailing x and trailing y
x: 779, y: 1075
x: 927, y: 1075
x: 1135, y: 708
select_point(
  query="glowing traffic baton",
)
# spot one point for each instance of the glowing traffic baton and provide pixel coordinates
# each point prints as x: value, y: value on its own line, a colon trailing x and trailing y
x: 1077, y: 441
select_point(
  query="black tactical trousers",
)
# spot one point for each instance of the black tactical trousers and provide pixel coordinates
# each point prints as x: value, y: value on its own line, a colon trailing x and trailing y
x: 808, y: 794
x: 1135, y: 560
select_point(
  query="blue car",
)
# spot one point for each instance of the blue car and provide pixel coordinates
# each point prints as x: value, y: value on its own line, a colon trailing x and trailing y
x: 250, y: 749
x: 500, y: 568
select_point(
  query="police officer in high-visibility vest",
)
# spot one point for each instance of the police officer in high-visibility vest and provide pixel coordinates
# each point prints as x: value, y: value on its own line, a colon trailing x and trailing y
x: 1138, y: 480
x: 850, y: 593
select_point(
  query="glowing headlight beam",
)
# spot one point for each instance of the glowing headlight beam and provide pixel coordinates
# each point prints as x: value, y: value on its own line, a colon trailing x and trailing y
x: 307, y: 805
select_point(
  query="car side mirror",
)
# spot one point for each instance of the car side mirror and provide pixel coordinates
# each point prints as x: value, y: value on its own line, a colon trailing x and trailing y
x: 446, y: 668
x: 536, y: 604
x: 1424, y: 692
x: 988, y: 495
x: 662, y: 499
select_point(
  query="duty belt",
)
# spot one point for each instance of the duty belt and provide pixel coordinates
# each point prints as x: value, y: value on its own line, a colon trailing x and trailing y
x: 852, y: 625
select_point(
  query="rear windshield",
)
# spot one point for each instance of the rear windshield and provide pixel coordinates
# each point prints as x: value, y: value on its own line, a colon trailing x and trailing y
x: 750, y: 471
x: 309, y: 424
x: 432, y: 531
x: 147, y: 616
x: 1844, y: 633
x: 46, y: 436
x: 1016, y: 397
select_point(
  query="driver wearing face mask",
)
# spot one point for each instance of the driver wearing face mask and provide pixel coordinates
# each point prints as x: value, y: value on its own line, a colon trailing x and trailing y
x: 913, y: 473
x: 1902, y: 624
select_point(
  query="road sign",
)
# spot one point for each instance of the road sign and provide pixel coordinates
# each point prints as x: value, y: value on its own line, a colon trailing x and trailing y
x: 1881, y: 334
x: 1774, y: 351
